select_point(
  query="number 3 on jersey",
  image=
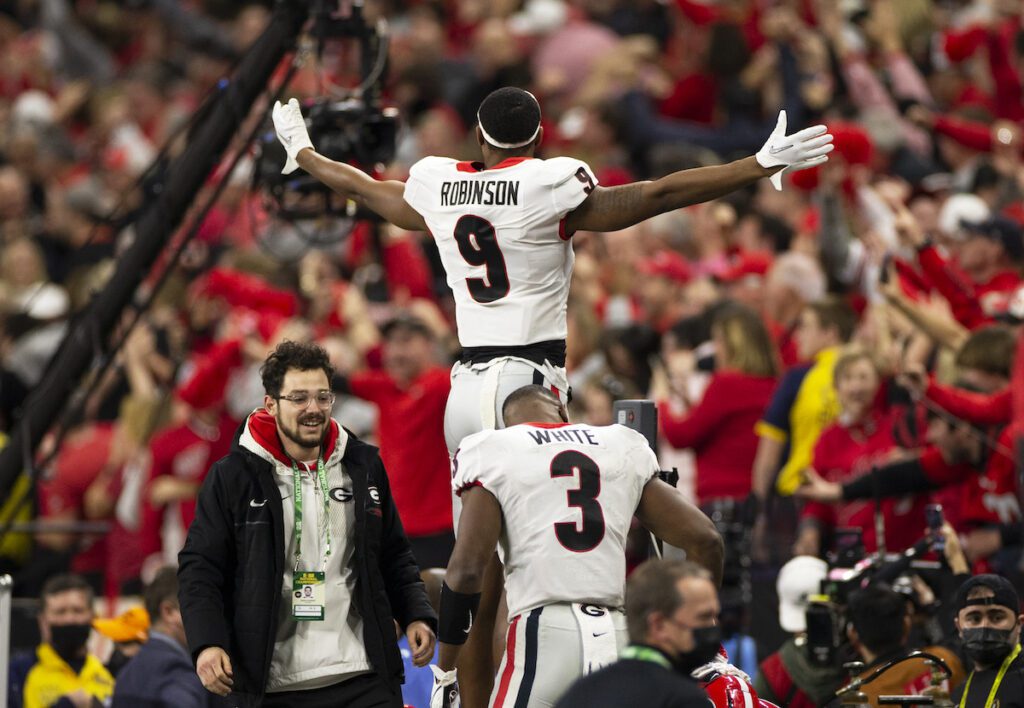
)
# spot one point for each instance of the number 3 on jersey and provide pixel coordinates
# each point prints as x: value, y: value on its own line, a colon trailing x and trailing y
x: 585, y: 537
x: 478, y: 244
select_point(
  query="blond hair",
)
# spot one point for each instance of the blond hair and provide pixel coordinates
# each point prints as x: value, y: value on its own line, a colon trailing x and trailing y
x: 849, y: 356
x: 748, y: 346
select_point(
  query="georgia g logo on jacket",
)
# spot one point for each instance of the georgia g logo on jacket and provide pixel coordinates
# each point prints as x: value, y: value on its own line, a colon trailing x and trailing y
x: 373, y: 507
x: 340, y: 494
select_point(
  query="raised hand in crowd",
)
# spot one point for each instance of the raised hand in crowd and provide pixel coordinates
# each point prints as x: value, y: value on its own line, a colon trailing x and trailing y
x: 914, y: 379
x: 954, y: 553
x: 817, y: 488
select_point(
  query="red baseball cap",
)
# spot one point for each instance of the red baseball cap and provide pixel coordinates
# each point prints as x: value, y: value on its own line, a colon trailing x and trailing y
x: 746, y: 263
x: 667, y: 264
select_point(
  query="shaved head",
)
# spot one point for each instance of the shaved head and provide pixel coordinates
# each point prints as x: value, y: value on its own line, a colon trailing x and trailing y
x: 533, y: 404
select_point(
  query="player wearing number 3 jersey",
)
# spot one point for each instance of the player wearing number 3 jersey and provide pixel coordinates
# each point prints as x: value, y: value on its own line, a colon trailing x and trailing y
x: 559, y: 499
x: 503, y: 227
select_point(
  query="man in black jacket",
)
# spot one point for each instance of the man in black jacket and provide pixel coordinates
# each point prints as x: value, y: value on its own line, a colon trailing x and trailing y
x: 296, y: 565
x: 160, y: 675
x: 989, y: 622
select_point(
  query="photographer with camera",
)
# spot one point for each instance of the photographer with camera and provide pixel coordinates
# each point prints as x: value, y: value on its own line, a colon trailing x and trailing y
x: 846, y: 620
x: 789, y: 677
x: 878, y: 629
x: 989, y: 620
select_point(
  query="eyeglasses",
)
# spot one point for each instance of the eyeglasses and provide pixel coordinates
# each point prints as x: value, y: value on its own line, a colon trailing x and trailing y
x: 324, y: 399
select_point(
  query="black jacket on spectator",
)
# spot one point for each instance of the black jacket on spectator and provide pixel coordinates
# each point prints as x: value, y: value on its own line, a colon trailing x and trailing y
x: 634, y: 682
x: 160, y: 676
x: 1011, y: 689
x: 232, y: 565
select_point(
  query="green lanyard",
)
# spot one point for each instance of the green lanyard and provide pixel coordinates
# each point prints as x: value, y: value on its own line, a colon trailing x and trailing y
x: 995, y: 685
x: 645, y: 654
x: 321, y: 472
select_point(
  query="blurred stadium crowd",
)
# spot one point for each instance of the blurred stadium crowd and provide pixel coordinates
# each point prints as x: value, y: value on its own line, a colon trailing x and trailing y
x: 864, y: 317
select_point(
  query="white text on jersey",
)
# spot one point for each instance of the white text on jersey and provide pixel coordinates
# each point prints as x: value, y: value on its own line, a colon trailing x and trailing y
x: 564, y: 435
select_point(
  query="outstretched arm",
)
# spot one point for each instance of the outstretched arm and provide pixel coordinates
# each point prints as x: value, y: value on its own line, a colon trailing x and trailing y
x: 664, y: 512
x: 893, y: 480
x: 614, y: 208
x: 384, y: 197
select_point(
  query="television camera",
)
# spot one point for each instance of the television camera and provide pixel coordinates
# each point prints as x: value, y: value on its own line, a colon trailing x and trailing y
x: 349, y: 126
x: 850, y: 569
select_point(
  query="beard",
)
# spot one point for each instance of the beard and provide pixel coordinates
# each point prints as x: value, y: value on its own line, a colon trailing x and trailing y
x: 302, y: 434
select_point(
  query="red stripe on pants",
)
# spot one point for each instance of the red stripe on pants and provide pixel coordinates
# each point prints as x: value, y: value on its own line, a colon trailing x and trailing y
x: 506, y: 675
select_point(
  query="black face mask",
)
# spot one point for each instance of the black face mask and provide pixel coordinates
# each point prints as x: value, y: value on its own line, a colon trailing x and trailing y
x: 707, y: 641
x: 987, y: 646
x: 68, y: 640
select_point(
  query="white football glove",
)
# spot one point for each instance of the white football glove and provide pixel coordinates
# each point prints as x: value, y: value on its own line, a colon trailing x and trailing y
x: 291, y: 131
x: 803, y: 149
x: 445, y: 693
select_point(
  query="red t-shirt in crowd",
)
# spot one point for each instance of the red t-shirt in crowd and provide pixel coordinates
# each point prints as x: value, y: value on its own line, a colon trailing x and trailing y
x: 845, y: 453
x: 720, y: 430
x: 82, y: 457
x: 693, y: 97
x: 186, y: 452
x: 412, y: 446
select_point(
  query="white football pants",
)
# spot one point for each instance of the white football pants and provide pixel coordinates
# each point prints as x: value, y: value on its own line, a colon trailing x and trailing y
x: 479, y: 391
x: 548, y: 648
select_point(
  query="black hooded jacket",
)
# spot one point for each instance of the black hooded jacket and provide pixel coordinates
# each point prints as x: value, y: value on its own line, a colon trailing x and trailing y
x: 232, y: 563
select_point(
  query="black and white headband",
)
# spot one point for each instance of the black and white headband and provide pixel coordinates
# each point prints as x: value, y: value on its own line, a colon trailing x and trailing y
x: 509, y: 146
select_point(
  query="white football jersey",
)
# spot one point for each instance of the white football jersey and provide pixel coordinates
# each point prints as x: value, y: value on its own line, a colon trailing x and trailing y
x: 568, y: 494
x: 500, y: 235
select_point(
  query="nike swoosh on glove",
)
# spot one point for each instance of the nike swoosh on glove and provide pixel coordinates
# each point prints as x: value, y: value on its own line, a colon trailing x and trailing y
x: 445, y: 693
x: 806, y: 148
x: 290, y: 127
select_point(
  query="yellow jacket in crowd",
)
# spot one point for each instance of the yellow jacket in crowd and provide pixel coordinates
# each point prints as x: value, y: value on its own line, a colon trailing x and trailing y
x: 52, y: 678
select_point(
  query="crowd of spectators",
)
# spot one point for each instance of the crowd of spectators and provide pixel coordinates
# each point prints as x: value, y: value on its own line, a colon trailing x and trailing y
x: 861, y: 320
